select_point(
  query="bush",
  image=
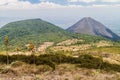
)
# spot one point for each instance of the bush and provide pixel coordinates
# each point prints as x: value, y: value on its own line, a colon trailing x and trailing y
x: 3, y: 59
x: 86, y: 61
x: 89, y: 61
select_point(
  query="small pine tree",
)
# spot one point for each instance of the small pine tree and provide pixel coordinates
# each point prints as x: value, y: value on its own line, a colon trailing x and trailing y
x: 31, y: 48
x: 17, y: 50
x: 6, y: 42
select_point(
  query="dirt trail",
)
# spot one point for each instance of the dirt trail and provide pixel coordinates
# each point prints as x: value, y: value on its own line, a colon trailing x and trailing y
x: 44, y: 46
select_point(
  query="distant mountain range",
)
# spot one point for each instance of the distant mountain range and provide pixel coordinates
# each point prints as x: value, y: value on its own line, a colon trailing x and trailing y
x: 90, y: 26
x: 38, y: 31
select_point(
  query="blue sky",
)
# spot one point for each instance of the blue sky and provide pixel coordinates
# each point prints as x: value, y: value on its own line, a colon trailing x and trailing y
x: 78, y: 2
x: 63, y: 13
x: 54, y: 1
x: 32, y: 1
x: 63, y: 2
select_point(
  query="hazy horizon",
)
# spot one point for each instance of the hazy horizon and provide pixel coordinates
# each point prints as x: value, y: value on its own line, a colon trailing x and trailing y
x: 63, y: 13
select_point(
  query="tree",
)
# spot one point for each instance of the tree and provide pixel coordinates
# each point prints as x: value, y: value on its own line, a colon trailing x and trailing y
x: 31, y: 48
x: 6, y: 42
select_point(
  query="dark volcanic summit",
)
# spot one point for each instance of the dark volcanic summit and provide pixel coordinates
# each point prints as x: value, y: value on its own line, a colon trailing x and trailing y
x: 90, y: 26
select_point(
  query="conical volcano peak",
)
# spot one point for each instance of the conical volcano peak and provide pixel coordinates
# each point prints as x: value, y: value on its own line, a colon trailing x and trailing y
x: 87, y: 18
x: 88, y: 25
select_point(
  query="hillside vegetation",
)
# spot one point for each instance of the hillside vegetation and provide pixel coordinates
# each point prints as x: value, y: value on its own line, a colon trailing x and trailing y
x: 38, y: 31
x: 34, y: 30
x: 37, y: 50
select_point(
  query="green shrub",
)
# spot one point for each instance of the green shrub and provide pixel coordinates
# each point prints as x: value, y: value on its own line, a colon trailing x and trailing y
x: 86, y: 61
x: 3, y: 59
x: 89, y: 61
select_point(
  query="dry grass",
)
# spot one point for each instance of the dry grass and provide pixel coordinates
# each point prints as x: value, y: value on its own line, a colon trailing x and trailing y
x: 44, y: 46
x: 62, y: 72
x: 22, y: 71
x: 69, y: 42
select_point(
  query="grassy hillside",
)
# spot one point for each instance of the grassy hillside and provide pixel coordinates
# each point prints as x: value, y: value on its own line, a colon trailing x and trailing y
x: 77, y: 55
x: 33, y: 30
x: 38, y: 31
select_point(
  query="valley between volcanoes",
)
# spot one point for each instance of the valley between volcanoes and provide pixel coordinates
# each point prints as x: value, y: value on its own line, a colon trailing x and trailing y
x: 58, y: 54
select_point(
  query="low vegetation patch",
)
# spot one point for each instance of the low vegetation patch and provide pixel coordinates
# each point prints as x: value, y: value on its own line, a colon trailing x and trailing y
x: 85, y: 61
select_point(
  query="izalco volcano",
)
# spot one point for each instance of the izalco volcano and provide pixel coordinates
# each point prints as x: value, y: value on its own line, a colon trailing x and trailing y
x: 90, y: 26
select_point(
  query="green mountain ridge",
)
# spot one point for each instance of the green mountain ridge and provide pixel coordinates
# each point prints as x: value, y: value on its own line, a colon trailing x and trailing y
x: 32, y: 30
x: 37, y: 31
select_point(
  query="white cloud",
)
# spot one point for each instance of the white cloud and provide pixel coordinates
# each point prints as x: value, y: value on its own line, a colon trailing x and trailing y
x: 20, y: 5
x: 110, y: 0
x: 53, y: 5
x: 15, y: 4
x: 105, y: 6
x: 23, y: 5
x: 87, y: 1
